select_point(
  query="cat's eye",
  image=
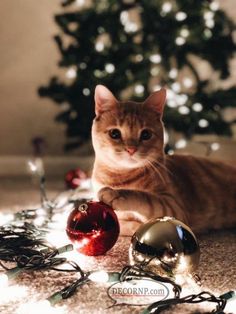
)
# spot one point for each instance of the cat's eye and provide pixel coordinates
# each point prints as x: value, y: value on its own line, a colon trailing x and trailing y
x: 145, y: 135
x: 115, y: 134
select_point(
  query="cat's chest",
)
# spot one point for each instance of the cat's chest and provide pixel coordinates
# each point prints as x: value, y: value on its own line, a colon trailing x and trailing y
x: 136, y: 180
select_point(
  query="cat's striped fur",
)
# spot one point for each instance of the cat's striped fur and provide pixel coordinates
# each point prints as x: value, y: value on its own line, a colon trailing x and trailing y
x: 140, y: 182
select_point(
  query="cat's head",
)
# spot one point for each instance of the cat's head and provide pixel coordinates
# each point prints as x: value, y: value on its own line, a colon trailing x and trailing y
x: 128, y: 134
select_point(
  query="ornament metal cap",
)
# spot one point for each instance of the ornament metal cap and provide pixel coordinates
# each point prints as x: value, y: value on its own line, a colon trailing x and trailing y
x: 83, y: 207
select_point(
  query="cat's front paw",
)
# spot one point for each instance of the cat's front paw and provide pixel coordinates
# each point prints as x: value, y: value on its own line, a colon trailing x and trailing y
x: 108, y: 196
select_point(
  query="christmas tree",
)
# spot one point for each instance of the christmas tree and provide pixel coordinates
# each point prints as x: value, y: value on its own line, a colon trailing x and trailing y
x: 135, y: 47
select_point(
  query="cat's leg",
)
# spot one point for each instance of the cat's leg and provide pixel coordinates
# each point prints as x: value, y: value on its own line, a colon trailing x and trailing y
x: 125, y: 203
x: 141, y: 204
x: 138, y: 206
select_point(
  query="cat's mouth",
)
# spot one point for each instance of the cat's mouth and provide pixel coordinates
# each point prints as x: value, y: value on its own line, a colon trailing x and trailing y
x: 124, y: 159
x: 132, y: 160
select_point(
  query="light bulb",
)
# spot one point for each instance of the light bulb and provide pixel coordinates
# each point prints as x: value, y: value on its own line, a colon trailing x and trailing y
x: 101, y: 30
x: 57, y: 238
x: 3, y: 280
x: 207, y: 33
x: 214, y: 6
x: 59, y: 220
x: 183, y: 110
x: 36, y: 166
x: 182, y: 264
x: 180, y: 41
x: 215, y: 146
x: 176, y: 87
x: 184, y: 32
x: 41, y: 211
x: 203, y: 123
x: 154, y: 71
x: 32, y: 166
x: 197, y: 107
x: 155, y: 58
x: 173, y: 73
x: 139, y: 89
x: 14, y: 292
x: 170, y: 94
x: 9, y: 275
x: 131, y: 27
x: 5, y: 218
x: 139, y: 58
x: 181, y: 99
x: 99, y: 276
x: 124, y: 17
x: 98, y: 73
x: 83, y: 65
x: 39, y: 307
x: 180, y: 16
x: 79, y: 3
x: 166, y: 7
x: 171, y: 103
x: 86, y: 91
x: 171, y: 152
x: 99, y: 46
x: 110, y: 68
x: 179, y: 279
x: 231, y: 302
x: 39, y: 221
x: 181, y: 143
x: 71, y: 73
x: 208, y: 15
x: 187, y: 82
x: 230, y: 306
x: 210, y: 23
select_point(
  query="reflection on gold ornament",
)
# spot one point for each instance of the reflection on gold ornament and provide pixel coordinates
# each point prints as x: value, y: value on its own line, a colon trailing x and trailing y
x: 169, y: 245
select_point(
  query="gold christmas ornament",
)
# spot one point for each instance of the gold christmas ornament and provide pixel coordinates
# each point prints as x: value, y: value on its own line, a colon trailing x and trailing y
x: 165, y: 245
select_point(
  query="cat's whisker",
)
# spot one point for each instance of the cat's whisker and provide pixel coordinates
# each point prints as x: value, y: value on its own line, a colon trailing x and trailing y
x: 155, y: 161
x: 163, y: 166
x: 156, y: 170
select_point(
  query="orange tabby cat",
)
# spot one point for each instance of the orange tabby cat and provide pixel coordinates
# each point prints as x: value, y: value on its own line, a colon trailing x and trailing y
x: 133, y: 175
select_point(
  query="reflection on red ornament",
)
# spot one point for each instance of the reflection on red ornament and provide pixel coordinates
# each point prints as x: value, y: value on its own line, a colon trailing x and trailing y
x: 93, y: 228
x: 74, y: 178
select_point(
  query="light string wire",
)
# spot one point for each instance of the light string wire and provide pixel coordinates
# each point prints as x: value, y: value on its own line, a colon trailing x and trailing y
x: 203, y: 296
x: 20, y: 238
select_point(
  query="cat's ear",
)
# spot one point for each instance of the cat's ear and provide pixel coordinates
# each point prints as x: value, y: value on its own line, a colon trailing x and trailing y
x: 157, y: 100
x: 104, y: 99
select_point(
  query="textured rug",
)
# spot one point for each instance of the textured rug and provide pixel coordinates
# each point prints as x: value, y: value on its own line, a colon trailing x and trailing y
x: 217, y: 267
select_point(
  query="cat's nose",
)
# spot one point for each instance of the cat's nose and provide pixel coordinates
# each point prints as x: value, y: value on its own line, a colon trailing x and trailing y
x: 131, y: 150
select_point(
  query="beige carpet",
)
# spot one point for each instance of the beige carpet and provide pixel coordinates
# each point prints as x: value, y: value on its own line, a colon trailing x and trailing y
x: 217, y: 265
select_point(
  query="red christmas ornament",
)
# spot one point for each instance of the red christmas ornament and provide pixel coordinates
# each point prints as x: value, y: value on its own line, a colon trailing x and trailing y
x: 93, y: 228
x: 74, y: 178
